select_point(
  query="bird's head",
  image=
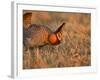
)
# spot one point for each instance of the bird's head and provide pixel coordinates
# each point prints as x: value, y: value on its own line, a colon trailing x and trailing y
x: 56, y: 37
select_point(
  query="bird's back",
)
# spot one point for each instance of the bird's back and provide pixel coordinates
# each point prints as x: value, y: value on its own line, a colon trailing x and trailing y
x: 36, y: 35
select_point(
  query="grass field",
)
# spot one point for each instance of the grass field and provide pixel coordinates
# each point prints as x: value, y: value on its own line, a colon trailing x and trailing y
x: 75, y: 48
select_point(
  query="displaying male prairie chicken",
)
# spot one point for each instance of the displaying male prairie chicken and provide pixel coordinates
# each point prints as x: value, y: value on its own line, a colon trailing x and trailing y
x: 36, y: 35
x: 40, y: 35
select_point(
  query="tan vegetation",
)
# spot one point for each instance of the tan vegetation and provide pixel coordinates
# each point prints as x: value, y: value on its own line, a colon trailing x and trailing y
x: 75, y: 48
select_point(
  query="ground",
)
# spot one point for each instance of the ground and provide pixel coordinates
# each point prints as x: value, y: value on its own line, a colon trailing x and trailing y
x: 75, y: 48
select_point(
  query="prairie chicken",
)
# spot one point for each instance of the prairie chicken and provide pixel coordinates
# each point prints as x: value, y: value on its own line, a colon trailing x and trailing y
x: 39, y: 35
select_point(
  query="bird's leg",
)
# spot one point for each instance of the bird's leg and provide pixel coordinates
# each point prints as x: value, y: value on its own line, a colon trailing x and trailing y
x: 37, y: 53
x: 29, y: 58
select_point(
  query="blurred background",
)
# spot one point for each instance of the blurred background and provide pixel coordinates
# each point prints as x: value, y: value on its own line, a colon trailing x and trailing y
x: 75, y: 48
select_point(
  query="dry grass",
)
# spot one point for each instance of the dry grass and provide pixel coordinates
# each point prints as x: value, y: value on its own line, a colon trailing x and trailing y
x: 75, y: 47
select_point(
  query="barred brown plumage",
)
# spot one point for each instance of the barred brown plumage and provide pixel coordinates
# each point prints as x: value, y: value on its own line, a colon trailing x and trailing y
x: 35, y: 35
x: 39, y: 35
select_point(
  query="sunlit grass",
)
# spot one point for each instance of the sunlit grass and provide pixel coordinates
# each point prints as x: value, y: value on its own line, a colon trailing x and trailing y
x: 75, y: 47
